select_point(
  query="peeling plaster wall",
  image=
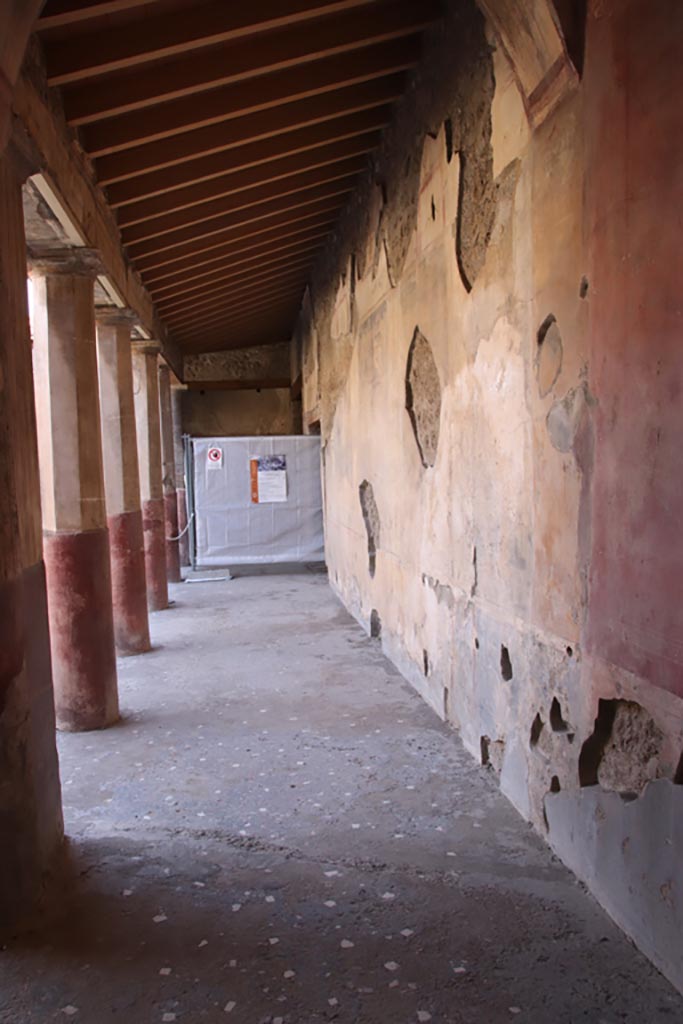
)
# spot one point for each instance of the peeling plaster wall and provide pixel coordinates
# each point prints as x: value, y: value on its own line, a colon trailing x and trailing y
x: 534, y: 569
x: 237, y: 413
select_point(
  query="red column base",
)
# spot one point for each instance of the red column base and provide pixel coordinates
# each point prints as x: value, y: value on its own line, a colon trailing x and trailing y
x: 154, y: 534
x: 184, y: 542
x: 172, y: 549
x: 128, y: 583
x: 81, y: 629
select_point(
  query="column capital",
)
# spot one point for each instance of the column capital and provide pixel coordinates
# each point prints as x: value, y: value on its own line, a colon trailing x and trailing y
x: 75, y: 260
x: 116, y: 316
x: 146, y: 346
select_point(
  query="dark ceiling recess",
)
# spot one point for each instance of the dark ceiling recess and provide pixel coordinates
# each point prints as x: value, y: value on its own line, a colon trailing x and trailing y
x: 227, y: 138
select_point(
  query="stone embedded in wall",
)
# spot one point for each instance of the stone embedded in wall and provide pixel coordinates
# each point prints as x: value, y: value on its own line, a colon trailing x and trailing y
x: 423, y: 397
x: 548, y: 361
x: 370, y: 512
x: 623, y: 752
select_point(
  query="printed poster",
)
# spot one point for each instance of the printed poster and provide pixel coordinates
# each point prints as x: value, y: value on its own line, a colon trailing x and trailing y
x: 268, y: 479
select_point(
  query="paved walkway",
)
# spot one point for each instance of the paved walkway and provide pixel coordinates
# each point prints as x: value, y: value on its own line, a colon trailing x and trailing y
x: 280, y: 831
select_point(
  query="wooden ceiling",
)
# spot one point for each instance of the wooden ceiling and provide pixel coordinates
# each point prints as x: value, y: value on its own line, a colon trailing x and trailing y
x: 227, y: 137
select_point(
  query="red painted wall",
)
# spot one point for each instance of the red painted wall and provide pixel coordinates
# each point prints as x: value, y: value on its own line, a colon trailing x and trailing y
x: 634, y: 196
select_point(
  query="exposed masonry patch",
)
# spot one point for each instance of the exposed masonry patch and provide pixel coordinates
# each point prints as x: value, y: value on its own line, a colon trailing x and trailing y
x: 548, y: 360
x: 622, y: 753
x: 370, y: 512
x: 492, y: 753
x: 454, y: 87
x: 257, y: 362
x: 423, y: 397
x: 505, y: 663
x: 375, y: 624
x: 468, y: 132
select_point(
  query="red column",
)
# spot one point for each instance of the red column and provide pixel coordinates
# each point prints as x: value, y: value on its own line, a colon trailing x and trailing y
x: 31, y: 827
x: 168, y: 476
x: 72, y: 487
x: 121, y: 481
x: 146, y: 396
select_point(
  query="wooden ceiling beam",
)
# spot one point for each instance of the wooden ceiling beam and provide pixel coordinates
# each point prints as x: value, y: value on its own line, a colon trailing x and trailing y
x: 253, y: 319
x: 232, y: 184
x: 247, y: 298
x: 202, y: 269
x: 253, y: 155
x: 250, y: 198
x: 232, y: 101
x: 272, y: 329
x: 243, y: 292
x: 178, y: 149
x: 197, y: 293
x: 245, y: 218
x: 154, y: 37
x: 201, y: 297
x: 248, y: 307
x: 65, y: 13
x: 327, y: 209
x: 234, y: 62
x: 246, y: 331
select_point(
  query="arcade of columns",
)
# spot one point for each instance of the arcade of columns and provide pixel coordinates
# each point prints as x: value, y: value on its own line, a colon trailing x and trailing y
x: 88, y: 523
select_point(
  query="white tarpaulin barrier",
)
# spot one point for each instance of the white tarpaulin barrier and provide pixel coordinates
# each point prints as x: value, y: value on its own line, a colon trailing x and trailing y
x: 257, y: 499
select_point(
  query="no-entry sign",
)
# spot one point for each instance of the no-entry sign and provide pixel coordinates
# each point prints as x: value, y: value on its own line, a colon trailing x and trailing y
x: 214, y: 458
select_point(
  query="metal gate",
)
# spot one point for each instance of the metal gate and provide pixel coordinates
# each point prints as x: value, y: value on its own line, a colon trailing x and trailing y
x: 255, y: 500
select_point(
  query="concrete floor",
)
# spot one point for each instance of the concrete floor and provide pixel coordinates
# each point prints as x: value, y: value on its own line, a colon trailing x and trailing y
x: 280, y: 831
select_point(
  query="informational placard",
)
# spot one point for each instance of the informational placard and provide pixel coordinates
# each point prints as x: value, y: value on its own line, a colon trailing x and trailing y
x: 268, y: 478
x: 214, y: 458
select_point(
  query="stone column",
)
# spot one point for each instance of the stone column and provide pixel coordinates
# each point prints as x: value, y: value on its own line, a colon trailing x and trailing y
x: 146, y: 394
x: 122, y: 481
x: 31, y: 827
x: 180, y: 484
x: 72, y: 488
x: 168, y: 475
